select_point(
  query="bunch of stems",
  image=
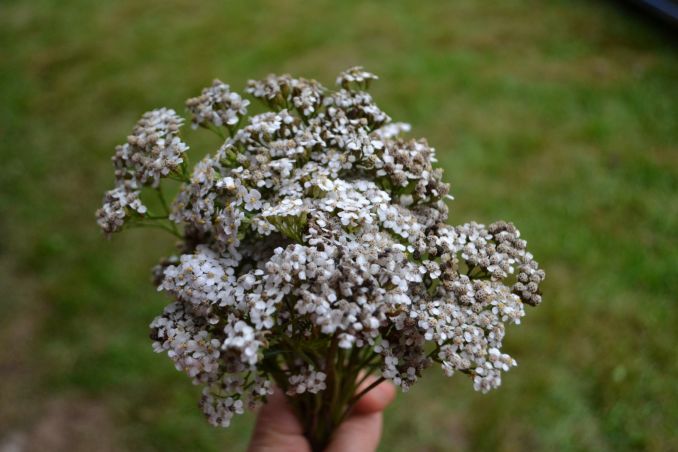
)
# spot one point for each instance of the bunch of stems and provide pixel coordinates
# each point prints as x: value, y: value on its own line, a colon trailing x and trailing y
x: 348, y: 373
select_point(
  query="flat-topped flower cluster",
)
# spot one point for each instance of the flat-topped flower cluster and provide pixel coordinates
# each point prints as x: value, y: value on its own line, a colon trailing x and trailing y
x: 315, y: 250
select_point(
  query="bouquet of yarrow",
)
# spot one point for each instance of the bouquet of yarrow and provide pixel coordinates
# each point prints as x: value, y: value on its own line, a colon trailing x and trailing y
x: 314, y: 252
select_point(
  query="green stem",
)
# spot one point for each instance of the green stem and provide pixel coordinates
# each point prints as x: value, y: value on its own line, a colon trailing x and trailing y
x: 163, y: 202
x: 215, y: 130
x: 358, y: 396
x: 158, y: 226
x: 165, y: 206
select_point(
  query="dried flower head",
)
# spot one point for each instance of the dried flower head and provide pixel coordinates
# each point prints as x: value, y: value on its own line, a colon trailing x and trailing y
x: 315, y: 248
x: 217, y: 106
x: 153, y: 150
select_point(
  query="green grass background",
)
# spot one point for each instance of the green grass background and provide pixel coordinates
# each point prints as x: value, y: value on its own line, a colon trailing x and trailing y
x: 561, y: 116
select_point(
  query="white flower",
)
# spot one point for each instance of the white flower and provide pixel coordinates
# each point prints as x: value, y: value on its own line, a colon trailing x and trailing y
x: 355, y: 75
x: 314, y: 237
x: 153, y: 150
x: 118, y: 206
x: 253, y: 200
x: 217, y: 105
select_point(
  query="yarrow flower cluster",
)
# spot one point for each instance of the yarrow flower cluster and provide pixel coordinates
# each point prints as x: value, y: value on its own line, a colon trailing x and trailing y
x: 315, y: 251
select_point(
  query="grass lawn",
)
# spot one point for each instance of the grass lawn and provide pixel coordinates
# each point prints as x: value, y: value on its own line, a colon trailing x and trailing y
x: 561, y: 116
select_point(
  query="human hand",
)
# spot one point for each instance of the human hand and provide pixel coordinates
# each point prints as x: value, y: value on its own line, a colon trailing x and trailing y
x: 278, y: 429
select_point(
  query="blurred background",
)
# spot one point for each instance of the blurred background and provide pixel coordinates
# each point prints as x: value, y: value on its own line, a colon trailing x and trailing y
x: 561, y: 116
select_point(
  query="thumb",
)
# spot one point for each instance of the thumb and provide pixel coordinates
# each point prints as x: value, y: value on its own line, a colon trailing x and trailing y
x: 362, y: 430
x: 277, y: 428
